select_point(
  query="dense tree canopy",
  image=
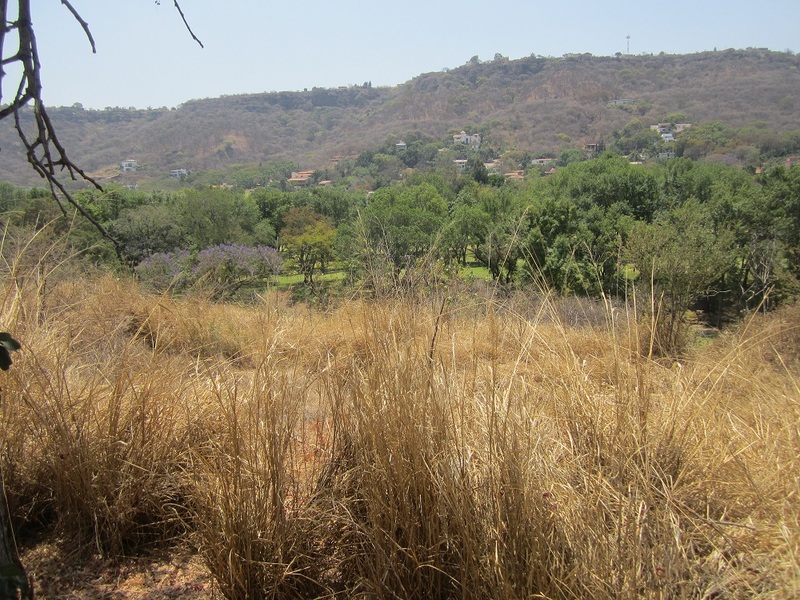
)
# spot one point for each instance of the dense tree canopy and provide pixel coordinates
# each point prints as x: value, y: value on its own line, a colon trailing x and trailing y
x: 694, y: 234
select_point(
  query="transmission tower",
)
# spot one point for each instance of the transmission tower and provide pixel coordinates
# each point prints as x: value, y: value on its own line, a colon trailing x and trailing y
x: 628, y: 37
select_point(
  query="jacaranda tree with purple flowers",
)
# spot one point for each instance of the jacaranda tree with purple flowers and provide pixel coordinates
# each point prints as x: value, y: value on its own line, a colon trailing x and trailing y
x: 222, y: 269
x: 227, y: 267
x: 164, y: 271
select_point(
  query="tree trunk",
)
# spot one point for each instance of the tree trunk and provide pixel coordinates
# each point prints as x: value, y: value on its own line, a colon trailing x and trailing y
x: 13, y: 579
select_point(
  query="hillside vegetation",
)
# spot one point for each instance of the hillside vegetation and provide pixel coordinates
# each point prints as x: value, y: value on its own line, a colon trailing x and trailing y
x: 537, y: 105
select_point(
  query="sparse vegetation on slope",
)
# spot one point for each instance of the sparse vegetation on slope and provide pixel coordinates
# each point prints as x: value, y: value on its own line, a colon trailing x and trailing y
x: 540, y: 105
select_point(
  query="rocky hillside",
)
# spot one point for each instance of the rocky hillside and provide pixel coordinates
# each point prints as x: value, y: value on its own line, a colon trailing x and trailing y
x: 537, y: 104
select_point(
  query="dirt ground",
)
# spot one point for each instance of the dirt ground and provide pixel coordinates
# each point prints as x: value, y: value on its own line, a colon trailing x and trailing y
x: 59, y: 574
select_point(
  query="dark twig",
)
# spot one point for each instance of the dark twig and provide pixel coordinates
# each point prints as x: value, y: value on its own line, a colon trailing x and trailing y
x: 436, y: 330
x: 185, y: 22
x: 43, y: 149
x: 83, y: 23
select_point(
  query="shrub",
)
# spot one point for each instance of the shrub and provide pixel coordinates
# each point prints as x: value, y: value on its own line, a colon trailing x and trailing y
x: 223, y: 269
x: 227, y: 267
x: 164, y: 270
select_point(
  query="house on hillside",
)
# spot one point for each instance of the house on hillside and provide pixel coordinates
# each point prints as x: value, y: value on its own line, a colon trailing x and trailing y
x: 461, y: 164
x: 300, y: 178
x: 596, y: 147
x: 473, y: 141
x: 663, y: 128
x: 401, y: 146
x: 180, y: 174
x: 492, y: 166
x: 129, y: 166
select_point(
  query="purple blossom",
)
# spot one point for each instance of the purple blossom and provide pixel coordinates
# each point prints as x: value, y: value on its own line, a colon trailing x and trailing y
x: 225, y: 268
x: 234, y: 261
x: 164, y: 270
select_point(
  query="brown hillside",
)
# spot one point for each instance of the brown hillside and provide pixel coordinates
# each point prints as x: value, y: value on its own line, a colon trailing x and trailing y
x: 537, y: 104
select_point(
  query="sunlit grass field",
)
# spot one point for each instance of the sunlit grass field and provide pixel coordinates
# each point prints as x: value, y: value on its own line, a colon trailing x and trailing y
x: 456, y: 444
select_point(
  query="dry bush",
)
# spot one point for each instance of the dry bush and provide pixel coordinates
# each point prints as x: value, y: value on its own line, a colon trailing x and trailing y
x: 468, y: 448
x: 249, y: 492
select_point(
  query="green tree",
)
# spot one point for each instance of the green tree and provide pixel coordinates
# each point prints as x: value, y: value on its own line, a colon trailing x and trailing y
x: 108, y: 204
x: 610, y: 180
x: 11, y: 198
x: 309, y: 239
x: 467, y: 229
x: 272, y: 204
x: 502, y: 248
x: 333, y: 202
x: 216, y: 216
x: 635, y: 137
x: 766, y: 218
x: 701, y: 140
x: 403, y: 222
x: 478, y: 170
x: 782, y: 188
x: 147, y: 229
x: 570, y: 156
x: 680, y: 257
x: 580, y: 217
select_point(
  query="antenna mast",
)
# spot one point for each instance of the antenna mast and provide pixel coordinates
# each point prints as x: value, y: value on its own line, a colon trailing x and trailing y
x: 629, y: 43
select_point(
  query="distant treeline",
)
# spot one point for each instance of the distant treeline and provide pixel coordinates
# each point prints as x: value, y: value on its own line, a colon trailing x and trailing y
x: 697, y: 235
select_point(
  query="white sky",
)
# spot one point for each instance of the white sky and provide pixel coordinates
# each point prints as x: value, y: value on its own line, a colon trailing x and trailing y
x: 145, y: 57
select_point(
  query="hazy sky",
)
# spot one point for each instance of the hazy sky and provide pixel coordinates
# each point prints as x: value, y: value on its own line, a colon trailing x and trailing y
x: 145, y: 57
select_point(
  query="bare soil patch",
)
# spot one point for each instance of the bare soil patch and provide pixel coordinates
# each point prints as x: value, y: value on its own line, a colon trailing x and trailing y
x: 59, y: 573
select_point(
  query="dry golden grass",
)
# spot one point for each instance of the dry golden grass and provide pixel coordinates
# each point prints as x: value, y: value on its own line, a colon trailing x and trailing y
x: 411, y: 448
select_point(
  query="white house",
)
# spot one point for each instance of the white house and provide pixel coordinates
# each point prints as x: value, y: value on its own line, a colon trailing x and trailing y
x: 473, y: 140
x: 461, y: 164
x: 129, y: 165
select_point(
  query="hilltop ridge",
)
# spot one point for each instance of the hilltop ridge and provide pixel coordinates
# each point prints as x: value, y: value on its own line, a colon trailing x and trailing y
x: 541, y: 105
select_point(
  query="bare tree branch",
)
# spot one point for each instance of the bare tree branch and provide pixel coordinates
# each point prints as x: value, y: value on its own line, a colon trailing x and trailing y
x: 185, y: 22
x: 194, y: 37
x: 47, y: 156
x: 43, y: 149
x: 83, y: 23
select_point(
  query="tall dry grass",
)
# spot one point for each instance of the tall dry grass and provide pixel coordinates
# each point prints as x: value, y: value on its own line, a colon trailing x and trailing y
x: 462, y: 447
